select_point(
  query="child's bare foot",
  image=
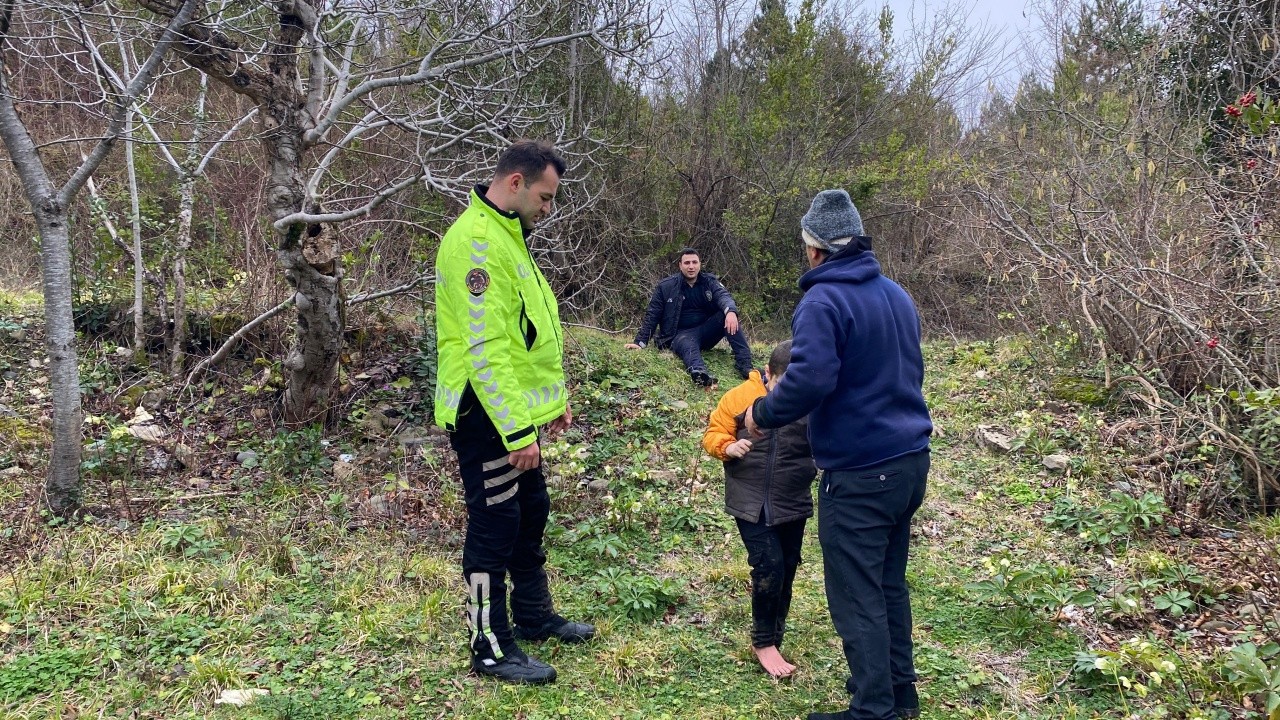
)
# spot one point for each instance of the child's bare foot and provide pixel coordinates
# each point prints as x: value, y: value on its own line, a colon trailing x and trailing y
x: 773, y: 662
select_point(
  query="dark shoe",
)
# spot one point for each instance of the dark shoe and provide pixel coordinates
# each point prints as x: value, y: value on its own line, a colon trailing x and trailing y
x: 520, y: 669
x: 906, y: 703
x: 559, y: 628
x: 700, y: 377
x: 831, y: 716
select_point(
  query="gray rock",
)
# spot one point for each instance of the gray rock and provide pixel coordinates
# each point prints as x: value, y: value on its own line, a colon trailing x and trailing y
x: 9, y: 375
x: 153, y: 399
x: 246, y: 456
x: 413, y: 437
x: 380, y: 506
x: 1056, y: 462
x: 680, y: 405
x: 1248, y: 611
x: 376, y: 424
x: 994, y: 439
x: 343, y: 471
x: 1215, y: 626
x: 18, y: 335
x: 7, y: 411
x: 12, y: 473
x: 600, y: 485
x: 159, y: 461
x: 186, y: 456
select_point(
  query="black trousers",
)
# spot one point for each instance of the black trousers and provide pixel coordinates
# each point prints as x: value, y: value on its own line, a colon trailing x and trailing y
x: 506, y: 515
x: 689, y: 344
x: 864, y: 526
x: 773, y: 554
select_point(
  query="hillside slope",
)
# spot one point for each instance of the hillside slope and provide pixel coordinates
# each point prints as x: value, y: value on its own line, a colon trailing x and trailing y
x: 324, y: 566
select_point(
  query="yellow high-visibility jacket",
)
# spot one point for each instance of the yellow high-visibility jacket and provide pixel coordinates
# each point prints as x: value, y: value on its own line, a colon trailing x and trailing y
x: 497, y: 326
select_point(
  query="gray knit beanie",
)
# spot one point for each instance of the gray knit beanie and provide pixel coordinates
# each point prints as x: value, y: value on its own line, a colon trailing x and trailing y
x: 832, y: 221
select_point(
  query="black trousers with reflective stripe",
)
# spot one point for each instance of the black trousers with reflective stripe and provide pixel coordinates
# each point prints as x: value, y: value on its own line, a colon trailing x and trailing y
x: 506, y: 516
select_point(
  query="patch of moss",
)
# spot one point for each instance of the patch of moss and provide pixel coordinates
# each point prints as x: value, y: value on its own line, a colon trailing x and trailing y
x: 22, y: 433
x: 1076, y: 389
x: 224, y: 325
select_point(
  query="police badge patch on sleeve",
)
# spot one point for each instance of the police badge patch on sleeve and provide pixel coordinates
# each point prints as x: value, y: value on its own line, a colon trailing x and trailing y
x: 477, y: 281
x: 707, y: 295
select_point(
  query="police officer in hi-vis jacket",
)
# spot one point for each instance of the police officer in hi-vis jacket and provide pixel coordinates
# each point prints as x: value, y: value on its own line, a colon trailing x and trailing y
x: 500, y: 376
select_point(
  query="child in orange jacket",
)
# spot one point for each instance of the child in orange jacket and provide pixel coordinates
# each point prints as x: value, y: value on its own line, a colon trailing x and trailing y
x: 768, y: 490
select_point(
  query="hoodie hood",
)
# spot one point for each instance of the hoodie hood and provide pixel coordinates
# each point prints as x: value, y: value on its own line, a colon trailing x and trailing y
x: 853, y: 264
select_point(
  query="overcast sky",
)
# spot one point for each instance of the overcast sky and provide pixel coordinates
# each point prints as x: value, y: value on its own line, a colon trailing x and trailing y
x: 1015, y: 28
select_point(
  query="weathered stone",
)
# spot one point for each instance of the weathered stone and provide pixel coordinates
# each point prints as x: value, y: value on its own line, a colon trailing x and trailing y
x: 680, y: 405
x: 375, y: 424
x: 1056, y: 462
x: 1248, y: 611
x: 664, y: 475
x: 994, y: 439
x: 12, y: 473
x: 18, y: 335
x: 343, y: 471
x: 150, y: 434
x: 186, y: 456
x: 159, y: 460
x: 153, y: 399
x: 1215, y: 626
x: 384, y: 507
x: 246, y: 456
x: 413, y: 437
x: 599, y: 485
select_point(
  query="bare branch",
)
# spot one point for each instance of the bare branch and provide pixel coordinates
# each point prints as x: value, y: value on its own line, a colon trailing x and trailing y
x: 124, y: 104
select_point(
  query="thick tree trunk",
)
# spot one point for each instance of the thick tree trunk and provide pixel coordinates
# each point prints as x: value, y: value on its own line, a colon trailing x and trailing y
x: 313, y: 361
x: 309, y: 255
x: 62, y: 485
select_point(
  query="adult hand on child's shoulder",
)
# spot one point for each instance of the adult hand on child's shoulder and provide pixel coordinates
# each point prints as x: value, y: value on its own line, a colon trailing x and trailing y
x: 738, y: 449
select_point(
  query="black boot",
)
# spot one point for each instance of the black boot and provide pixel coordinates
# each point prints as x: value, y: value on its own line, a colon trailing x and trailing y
x: 557, y: 627
x: 516, y: 668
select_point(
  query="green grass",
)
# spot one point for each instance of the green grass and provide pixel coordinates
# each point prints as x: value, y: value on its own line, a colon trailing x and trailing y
x: 277, y: 588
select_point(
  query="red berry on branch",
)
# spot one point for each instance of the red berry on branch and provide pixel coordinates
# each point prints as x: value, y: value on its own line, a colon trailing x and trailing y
x: 1233, y: 111
x: 1248, y: 99
x: 1251, y: 164
x: 1212, y: 343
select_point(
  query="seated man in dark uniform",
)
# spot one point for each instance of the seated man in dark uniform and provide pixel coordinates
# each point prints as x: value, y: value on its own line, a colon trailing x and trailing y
x: 690, y: 312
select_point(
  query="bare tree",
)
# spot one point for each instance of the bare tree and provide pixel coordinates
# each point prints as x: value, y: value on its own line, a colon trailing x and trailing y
x: 439, y: 86
x: 35, y: 35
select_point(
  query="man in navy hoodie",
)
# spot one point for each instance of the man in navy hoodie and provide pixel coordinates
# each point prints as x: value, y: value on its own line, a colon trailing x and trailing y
x: 857, y: 372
